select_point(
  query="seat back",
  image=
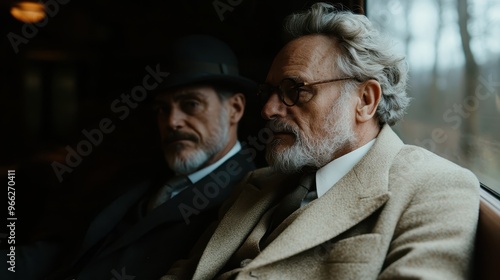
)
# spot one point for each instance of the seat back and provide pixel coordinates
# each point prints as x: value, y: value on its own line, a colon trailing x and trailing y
x: 487, y: 253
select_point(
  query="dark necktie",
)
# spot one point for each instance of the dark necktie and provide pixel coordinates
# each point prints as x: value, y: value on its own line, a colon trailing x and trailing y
x: 172, y: 187
x: 291, y: 202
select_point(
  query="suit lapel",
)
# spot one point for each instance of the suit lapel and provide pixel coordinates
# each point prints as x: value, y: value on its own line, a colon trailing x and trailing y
x: 190, y: 198
x: 165, y: 213
x: 240, y: 219
x: 110, y: 216
x: 344, y: 210
x: 355, y: 197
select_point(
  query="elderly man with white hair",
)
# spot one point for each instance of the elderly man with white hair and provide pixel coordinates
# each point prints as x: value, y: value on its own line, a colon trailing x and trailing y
x: 344, y: 197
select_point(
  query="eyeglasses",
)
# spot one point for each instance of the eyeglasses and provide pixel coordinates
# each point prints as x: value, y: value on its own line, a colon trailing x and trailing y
x: 289, y: 90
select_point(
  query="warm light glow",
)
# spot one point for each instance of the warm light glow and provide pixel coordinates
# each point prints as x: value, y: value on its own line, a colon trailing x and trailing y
x: 28, y: 12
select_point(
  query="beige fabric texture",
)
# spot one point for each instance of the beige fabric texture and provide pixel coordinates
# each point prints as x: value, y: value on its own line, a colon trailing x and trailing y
x: 401, y: 213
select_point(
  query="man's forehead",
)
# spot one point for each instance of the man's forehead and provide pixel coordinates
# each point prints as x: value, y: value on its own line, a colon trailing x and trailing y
x: 309, y: 55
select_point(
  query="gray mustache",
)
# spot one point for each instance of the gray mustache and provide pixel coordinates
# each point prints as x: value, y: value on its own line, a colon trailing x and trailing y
x: 277, y: 126
x: 178, y: 135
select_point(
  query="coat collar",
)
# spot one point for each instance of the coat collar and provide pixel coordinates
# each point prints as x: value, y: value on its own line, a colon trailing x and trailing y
x: 108, y: 219
x: 237, y: 166
x: 254, y: 200
x: 190, y: 198
x: 358, y: 194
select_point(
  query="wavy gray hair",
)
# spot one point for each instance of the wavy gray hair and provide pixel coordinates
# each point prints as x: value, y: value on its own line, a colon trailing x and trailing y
x: 364, y: 54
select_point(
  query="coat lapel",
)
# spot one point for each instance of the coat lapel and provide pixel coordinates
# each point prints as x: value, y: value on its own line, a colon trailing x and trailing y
x: 355, y: 197
x: 344, y: 210
x: 109, y: 217
x: 102, y: 225
x: 255, y: 199
x: 167, y: 212
x: 170, y: 211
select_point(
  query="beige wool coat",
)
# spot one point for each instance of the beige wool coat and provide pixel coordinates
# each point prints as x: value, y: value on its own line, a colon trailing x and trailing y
x: 401, y: 213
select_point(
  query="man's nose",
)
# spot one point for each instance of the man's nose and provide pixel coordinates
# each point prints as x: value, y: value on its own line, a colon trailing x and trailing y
x: 273, y: 107
x: 176, y: 118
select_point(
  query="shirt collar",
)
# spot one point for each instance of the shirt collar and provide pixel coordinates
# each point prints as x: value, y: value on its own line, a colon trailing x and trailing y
x: 198, y: 175
x: 330, y: 174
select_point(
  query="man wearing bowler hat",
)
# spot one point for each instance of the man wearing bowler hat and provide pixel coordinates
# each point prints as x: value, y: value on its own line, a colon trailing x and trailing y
x: 141, y: 233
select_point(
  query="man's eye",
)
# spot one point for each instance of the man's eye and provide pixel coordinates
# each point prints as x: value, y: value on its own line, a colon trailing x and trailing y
x: 305, y: 94
x: 191, y: 106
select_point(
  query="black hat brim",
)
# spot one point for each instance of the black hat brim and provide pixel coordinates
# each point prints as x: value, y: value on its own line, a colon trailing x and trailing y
x: 236, y: 83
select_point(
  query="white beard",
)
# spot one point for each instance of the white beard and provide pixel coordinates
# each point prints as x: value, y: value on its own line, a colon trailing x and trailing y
x: 309, y: 151
x: 214, y: 144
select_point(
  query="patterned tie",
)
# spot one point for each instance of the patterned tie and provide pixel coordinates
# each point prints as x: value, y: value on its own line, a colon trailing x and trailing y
x: 171, y: 188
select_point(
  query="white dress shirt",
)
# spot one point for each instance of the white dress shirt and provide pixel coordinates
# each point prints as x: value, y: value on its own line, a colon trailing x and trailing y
x: 198, y: 175
x: 330, y: 174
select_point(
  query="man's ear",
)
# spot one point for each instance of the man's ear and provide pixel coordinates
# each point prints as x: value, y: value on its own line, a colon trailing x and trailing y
x: 369, y: 95
x: 236, y: 107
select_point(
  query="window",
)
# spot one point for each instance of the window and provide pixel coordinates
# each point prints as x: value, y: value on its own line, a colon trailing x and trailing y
x: 453, y: 50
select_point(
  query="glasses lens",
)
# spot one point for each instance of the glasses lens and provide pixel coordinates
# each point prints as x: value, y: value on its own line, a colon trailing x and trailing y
x: 290, y: 92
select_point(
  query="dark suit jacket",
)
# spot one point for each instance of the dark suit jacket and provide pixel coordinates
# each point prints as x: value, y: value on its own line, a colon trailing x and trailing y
x: 122, y: 244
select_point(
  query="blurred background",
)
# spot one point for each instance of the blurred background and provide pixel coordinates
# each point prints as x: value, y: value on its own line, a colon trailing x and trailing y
x: 453, y: 49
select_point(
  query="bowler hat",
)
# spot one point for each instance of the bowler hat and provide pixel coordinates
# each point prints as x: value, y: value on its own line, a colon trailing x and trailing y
x: 198, y: 59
